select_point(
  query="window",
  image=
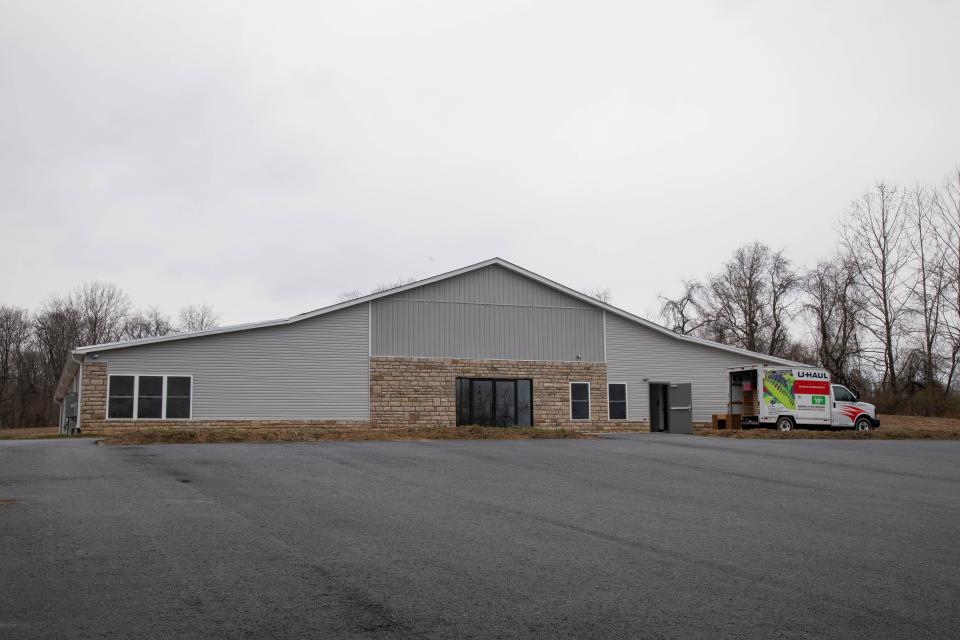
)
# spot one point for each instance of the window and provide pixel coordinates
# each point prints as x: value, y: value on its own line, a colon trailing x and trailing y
x: 524, y: 403
x: 489, y: 402
x: 178, y: 397
x: 149, y: 397
x: 617, y: 401
x: 120, y: 404
x: 842, y: 394
x: 580, y: 400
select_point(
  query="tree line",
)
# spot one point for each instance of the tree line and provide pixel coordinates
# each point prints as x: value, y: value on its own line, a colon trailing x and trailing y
x: 34, y: 345
x: 882, y: 314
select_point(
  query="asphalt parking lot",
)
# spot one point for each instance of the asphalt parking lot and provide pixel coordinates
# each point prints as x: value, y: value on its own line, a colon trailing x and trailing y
x: 631, y: 536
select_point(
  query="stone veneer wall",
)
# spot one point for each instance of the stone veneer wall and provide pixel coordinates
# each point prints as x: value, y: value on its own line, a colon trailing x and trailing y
x: 404, y: 393
x: 93, y: 394
x: 421, y: 392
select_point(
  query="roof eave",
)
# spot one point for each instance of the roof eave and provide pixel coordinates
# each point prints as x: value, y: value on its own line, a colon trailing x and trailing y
x: 93, y: 348
x: 70, y: 368
x: 637, y: 319
x: 443, y: 276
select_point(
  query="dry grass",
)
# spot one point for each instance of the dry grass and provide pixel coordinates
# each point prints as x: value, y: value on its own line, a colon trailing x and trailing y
x: 314, y: 435
x: 891, y: 428
x: 29, y: 433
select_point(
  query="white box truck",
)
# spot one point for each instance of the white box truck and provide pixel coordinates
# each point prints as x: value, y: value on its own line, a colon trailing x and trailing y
x: 801, y: 396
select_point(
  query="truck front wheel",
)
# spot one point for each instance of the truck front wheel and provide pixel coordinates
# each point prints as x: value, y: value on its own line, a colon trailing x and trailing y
x: 784, y: 424
x: 863, y: 424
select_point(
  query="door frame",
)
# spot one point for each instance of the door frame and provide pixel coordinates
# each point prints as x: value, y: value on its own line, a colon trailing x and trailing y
x: 665, y: 413
x: 665, y: 401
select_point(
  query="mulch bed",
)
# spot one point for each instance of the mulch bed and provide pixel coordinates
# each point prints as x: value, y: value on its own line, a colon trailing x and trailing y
x: 318, y: 435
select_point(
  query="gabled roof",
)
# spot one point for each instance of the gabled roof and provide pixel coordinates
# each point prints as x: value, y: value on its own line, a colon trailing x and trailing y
x: 419, y: 283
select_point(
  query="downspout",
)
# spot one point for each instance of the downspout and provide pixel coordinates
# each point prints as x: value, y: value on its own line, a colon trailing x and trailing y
x: 79, y: 387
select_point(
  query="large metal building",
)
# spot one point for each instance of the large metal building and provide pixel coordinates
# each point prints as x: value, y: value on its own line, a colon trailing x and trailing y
x: 491, y: 344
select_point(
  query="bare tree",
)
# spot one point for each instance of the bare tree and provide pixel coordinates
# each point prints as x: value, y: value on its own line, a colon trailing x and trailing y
x: 198, y: 317
x: 103, y: 307
x: 147, y: 324
x: 58, y: 329
x: 15, y: 333
x: 34, y: 389
x: 833, y: 304
x: 735, y: 297
x: 783, y: 282
x: 800, y: 351
x: 684, y: 314
x: 353, y: 294
x: 603, y: 294
x: 874, y: 231
x: 386, y: 286
x: 749, y: 303
x: 929, y: 283
x: 946, y: 206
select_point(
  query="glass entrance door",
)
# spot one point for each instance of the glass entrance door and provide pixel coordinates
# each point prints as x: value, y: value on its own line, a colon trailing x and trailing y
x: 505, y: 403
x: 494, y: 402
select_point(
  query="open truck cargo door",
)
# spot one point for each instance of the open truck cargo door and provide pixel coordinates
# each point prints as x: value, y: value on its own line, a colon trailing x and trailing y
x: 795, y: 396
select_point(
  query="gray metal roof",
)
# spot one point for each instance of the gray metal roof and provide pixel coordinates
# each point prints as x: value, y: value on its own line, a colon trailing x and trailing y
x: 419, y: 283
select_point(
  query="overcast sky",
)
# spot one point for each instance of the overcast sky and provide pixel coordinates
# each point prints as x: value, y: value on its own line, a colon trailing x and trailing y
x: 266, y: 157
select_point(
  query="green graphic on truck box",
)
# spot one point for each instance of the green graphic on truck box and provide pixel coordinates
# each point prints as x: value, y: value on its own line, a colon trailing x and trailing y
x: 778, y: 389
x: 821, y: 400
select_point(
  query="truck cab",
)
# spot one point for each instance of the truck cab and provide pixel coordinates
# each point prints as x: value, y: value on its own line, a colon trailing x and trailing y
x: 798, y: 396
x: 848, y: 411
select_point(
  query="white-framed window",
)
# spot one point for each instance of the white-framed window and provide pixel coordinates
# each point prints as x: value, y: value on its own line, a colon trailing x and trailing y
x: 149, y: 397
x: 149, y: 405
x: 617, y: 401
x: 120, y: 396
x: 579, y: 400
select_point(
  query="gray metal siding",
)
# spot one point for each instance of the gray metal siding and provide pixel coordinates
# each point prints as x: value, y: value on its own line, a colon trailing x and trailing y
x: 491, y: 313
x: 312, y: 369
x: 492, y: 285
x: 465, y: 330
x: 635, y: 353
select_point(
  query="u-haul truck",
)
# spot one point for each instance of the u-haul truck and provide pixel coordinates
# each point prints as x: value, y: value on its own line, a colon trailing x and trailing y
x: 800, y: 396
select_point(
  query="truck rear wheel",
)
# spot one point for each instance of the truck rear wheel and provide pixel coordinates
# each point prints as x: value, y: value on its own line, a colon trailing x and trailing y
x: 784, y: 424
x: 863, y: 424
